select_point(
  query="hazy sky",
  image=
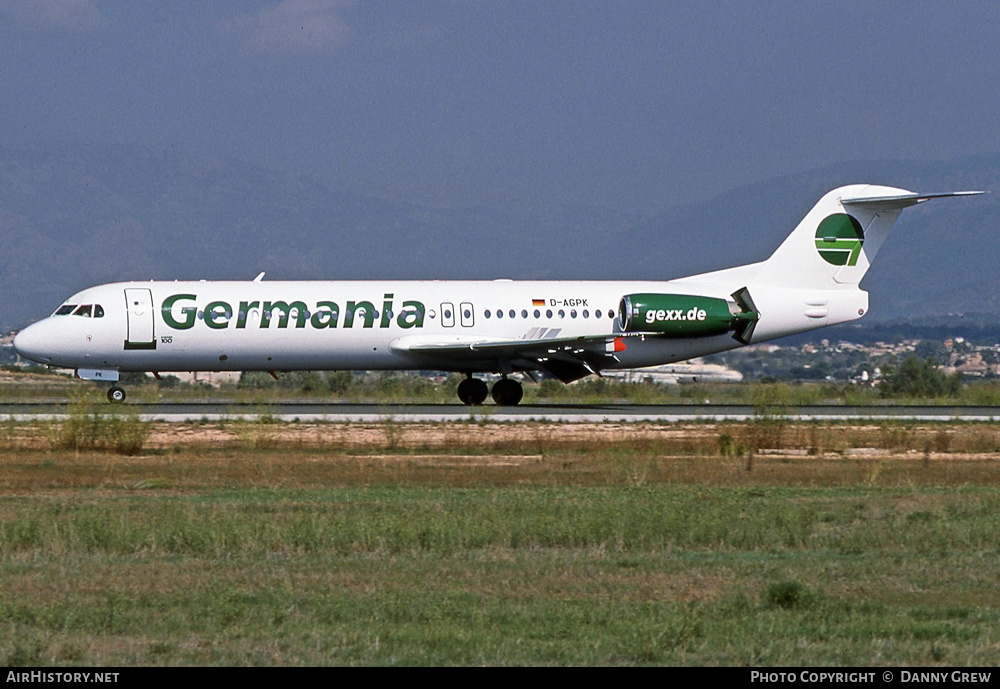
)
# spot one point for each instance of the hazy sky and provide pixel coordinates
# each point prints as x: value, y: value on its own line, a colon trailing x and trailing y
x: 634, y: 105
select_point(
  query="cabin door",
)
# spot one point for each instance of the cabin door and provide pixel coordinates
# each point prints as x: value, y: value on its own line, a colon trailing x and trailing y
x: 139, y: 307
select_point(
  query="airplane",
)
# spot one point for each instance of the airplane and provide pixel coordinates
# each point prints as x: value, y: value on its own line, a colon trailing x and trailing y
x: 565, y: 329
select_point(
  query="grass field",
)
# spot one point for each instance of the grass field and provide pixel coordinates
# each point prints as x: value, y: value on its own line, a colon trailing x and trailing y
x: 261, y: 543
x: 401, y: 388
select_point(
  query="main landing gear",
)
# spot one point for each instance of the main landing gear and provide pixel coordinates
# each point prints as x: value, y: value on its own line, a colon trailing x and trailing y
x: 505, y: 392
x: 472, y: 391
x: 116, y: 395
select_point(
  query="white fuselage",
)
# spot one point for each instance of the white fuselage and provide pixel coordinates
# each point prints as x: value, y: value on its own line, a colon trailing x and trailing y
x: 366, y: 325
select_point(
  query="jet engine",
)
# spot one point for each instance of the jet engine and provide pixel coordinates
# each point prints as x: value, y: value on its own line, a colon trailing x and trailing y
x: 689, y: 315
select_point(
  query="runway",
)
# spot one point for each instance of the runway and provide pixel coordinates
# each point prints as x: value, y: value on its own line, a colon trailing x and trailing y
x: 575, y: 413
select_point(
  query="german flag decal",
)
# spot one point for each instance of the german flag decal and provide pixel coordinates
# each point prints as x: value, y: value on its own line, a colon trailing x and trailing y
x: 538, y: 302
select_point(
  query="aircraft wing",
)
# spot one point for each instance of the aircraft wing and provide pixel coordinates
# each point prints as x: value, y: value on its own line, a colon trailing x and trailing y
x: 566, y: 358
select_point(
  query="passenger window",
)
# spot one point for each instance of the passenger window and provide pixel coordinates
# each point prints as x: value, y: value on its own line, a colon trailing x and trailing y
x: 512, y: 313
x: 524, y: 313
x: 468, y: 319
x: 538, y: 314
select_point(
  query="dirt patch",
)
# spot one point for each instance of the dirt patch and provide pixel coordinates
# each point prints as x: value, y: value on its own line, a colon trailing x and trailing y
x: 415, y: 435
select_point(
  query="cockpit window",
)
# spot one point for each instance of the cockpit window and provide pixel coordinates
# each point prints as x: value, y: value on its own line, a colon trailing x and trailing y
x: 86, y: 310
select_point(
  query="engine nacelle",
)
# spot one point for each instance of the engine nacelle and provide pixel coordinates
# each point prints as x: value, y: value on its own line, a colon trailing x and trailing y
x: 687, y: 315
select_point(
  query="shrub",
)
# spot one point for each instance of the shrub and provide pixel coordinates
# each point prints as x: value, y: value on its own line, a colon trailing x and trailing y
x: 788, y: 595
x: 120, y: 431
x: 917, y: 377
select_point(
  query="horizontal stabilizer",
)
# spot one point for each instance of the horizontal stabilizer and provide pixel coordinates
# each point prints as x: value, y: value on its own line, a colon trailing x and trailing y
x: 901, y: 201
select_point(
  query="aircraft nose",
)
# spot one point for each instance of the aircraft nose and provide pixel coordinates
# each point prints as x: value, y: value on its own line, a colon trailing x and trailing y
x: 32, y: 343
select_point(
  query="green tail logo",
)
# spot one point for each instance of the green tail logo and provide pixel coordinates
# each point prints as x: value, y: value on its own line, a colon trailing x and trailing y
x: 839, y: 238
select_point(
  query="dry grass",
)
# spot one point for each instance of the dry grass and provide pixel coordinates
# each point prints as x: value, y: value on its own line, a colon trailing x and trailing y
x: 244, y: 454
x: 249, y: 543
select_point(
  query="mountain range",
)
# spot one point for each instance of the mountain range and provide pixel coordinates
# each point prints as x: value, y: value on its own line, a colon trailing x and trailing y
x: 72, y: 216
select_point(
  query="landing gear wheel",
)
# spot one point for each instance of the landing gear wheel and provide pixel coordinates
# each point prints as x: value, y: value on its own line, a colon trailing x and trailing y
x: 507, y: 392
x: 472, y: 391
x: 116, y: 395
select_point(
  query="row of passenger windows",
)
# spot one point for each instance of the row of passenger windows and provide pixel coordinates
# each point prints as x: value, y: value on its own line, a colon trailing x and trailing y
x: 86, y: 310
x: 97, y: 311
x: 548, y: 313
x: 573, y: 313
